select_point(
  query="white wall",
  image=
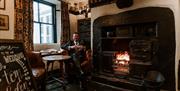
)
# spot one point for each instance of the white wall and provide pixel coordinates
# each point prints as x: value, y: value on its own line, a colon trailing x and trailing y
x: 174, y: 5
x: 9, y: 10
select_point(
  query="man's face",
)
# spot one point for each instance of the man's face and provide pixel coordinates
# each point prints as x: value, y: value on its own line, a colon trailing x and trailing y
x: 75, y: 37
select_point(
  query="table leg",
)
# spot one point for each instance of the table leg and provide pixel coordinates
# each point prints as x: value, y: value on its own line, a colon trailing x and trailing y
x: 62, y: 69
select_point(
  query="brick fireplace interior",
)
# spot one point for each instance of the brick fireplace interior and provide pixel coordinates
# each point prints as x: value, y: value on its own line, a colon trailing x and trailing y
x: 146, y: 35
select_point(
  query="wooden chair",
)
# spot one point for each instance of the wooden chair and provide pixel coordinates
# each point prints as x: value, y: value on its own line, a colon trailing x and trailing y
x: 38, y: 69
x: 87, y: 67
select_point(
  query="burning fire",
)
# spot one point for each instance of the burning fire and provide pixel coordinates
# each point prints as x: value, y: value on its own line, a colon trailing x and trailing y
x: 121, y: 62
x: 123, y: 56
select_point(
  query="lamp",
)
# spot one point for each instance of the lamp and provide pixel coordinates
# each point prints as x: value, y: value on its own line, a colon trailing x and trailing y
x: 79, y: 8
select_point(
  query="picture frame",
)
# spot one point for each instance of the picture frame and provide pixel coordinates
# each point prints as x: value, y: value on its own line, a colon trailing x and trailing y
x: 2, y: 4
x: 4, y: 22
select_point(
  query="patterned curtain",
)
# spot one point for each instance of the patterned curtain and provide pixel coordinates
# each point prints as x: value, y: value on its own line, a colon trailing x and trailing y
x: 65, y: 22
x: 24, y: 23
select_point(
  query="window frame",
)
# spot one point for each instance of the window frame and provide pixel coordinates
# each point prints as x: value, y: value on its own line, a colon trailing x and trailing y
x: 53, y: 6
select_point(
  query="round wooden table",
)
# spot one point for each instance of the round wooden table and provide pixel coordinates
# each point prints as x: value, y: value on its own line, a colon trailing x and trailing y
x: 61, y: 59
x: 56, y: 57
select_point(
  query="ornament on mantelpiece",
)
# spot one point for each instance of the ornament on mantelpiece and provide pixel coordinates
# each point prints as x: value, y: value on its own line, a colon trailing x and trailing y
x: 124, y: 3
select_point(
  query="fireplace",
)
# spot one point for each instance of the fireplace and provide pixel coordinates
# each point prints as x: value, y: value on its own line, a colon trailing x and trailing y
x: 141, y: 54
x: 129, y: 44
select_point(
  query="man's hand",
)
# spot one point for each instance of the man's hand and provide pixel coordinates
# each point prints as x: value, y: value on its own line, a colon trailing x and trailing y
x: 77, y: 47
x: 72, y: 47
x: 80, y: 47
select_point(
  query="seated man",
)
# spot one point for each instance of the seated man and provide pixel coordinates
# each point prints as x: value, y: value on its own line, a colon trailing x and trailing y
x: 76, y: 49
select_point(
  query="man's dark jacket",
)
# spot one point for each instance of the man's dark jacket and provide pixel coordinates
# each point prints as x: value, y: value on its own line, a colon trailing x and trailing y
x: 71, y: 43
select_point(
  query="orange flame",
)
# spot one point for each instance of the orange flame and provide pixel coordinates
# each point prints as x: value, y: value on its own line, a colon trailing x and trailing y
x: 122, y: 62
x: 123, y: 56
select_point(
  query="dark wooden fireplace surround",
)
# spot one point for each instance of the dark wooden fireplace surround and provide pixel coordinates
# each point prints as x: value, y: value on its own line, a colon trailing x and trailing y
x: 165, y: 63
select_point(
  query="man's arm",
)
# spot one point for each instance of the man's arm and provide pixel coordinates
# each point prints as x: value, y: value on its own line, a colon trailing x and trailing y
x: 69, y: 46
x: 66, y: 45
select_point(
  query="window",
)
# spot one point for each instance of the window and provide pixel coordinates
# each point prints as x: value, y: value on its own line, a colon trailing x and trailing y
x: 44, y: 22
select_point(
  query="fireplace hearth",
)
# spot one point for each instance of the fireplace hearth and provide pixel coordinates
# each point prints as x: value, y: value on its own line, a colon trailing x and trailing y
x: 142, y: 35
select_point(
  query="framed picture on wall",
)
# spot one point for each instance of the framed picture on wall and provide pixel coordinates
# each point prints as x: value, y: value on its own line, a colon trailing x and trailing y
x: 4, y: 22
x: 2, y: 4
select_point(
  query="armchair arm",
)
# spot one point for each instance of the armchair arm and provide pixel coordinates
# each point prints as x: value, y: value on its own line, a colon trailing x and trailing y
x: 35, y: 60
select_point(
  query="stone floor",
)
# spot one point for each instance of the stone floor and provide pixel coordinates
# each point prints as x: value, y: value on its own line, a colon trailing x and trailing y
x: 54, y: 85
